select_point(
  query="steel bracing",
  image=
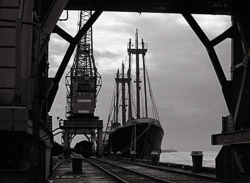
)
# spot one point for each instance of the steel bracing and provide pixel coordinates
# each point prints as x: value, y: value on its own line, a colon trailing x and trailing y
x: 27, y: 94
x: 235, y: 139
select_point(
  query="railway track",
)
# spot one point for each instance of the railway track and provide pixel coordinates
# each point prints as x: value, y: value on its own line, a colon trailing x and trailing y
x: 134, y: 172
x: 124, y: 174
x: 56, y: 163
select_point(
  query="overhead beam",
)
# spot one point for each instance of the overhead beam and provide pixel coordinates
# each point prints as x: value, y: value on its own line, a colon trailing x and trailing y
x: 236, y: 137
x: 155, y: 6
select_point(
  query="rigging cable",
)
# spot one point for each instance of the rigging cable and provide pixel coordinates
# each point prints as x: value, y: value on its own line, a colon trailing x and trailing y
x: 110, y: 113
x: 154, y: 108
x: 130, y: 145
x: 142, y: 102
x: 133, y: 101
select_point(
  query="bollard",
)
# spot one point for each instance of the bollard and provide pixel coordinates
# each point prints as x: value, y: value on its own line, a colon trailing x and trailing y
x: 132, y: 156
x: 154, y: 158
x: 112, y: 154
x: 77, y: 163
x: 60, y: 157
x: 99, y: 154
x: 118, y: 155
x: 197, y: 161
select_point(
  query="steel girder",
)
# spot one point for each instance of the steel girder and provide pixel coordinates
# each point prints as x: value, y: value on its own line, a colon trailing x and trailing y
x: 236, y: 139
x: 155, y: 6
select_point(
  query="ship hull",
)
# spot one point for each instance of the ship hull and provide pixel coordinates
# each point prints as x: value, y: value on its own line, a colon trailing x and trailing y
x: 149, y: 134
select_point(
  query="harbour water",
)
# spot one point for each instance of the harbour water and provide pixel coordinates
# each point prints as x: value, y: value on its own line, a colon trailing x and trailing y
x: 186, y: 159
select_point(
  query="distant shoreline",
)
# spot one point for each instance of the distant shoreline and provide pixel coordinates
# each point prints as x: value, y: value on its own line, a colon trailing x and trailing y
x: 168, y: 150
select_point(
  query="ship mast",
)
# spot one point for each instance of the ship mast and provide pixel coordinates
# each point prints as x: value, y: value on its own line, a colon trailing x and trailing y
x: 129, y: 83
x: 145, y: 82
x: 137, y: 77
x: 137, y: 51
x: 123, y: 97
x: 117, y: 97
x: 120, y: 78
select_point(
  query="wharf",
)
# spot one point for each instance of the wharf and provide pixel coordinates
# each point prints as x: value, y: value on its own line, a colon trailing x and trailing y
x: 63, y: 174
x: 90, y: 173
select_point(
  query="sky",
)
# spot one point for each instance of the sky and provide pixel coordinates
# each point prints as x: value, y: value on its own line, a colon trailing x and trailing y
x: 186, y: 90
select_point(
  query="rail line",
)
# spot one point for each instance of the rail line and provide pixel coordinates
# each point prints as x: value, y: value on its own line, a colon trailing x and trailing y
x: 135, y: 172
x: 198, y: 175
x: 175, y: 170
x: 124, y: 174
x: 56, y: 164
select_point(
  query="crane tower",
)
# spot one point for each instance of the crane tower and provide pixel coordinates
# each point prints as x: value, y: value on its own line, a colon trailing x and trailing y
x: 83, y: 84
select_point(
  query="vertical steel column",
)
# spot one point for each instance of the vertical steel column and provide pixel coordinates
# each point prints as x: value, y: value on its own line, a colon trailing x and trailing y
x: 93, y: 141
x: 240, y: 71
x: 100, y: 145
x: 66, y: 147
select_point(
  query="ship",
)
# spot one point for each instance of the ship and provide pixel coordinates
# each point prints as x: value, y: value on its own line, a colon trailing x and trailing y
x: 130, y: 128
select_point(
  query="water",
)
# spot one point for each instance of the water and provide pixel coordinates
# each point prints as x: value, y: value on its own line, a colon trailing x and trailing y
x: 186, y: 159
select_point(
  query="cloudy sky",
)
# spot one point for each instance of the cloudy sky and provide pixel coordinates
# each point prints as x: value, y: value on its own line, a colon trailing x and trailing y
x: 187, y: 92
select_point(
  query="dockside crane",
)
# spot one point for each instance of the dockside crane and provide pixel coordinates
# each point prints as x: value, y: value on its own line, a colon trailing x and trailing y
x: 27, y: 92
x: 83, y: 84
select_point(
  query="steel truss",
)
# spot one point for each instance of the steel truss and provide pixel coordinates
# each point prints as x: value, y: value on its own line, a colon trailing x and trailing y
x: 233, y: 161
x: 83, y: 83
x: 31, y: 98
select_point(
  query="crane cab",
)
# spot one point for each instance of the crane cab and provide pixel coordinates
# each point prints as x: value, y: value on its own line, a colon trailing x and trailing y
x: 83, y: 101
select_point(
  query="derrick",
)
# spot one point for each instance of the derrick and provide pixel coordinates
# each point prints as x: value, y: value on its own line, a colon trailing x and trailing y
x: 83, y: 84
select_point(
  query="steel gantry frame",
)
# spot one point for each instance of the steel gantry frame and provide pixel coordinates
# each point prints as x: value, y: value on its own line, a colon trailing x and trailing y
x: 28, y: 96
x: 26, y: 91
x: 233, y: 160
x: 24, y: 35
